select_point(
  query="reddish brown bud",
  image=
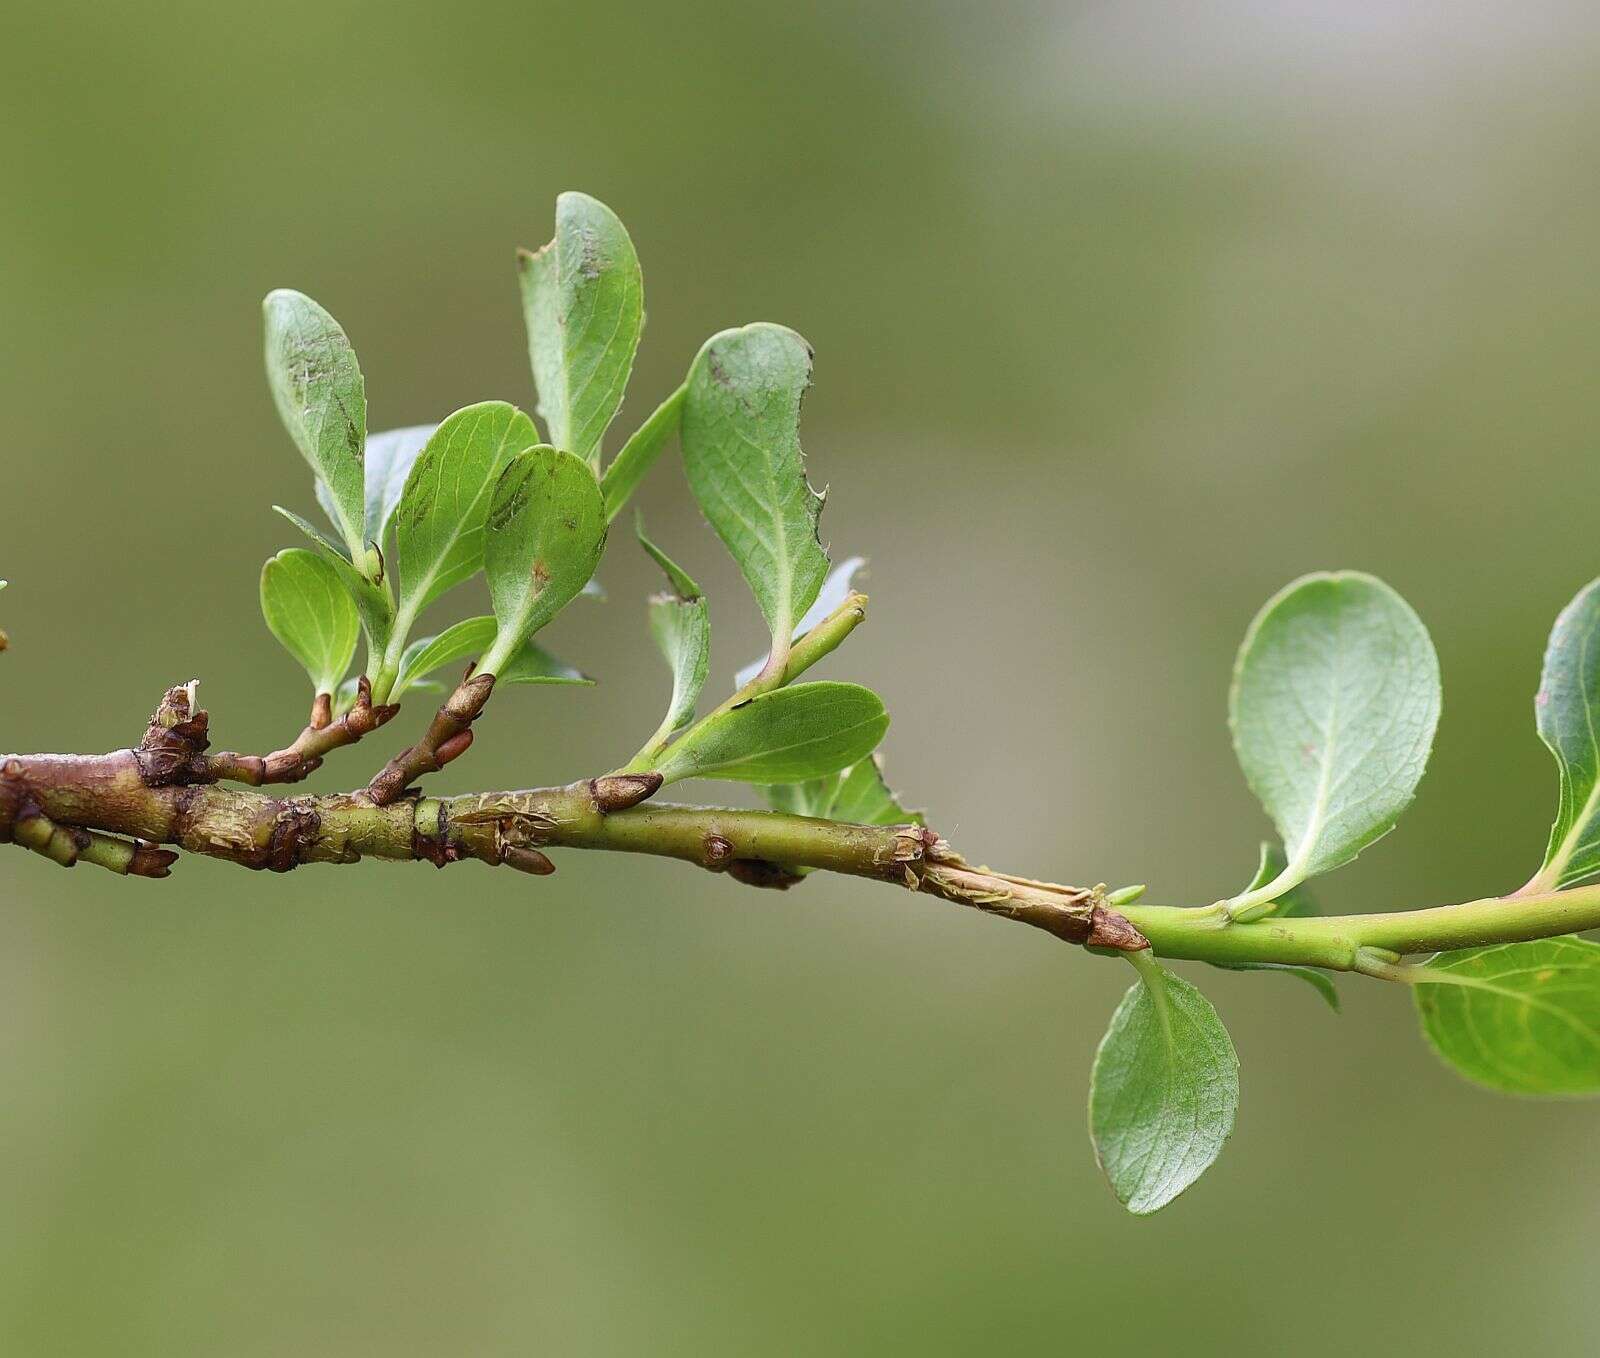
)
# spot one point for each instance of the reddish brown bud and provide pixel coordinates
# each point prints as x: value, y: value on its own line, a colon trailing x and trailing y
x: 619, y: 791
x: 527, y: 860
x: 149, y: 861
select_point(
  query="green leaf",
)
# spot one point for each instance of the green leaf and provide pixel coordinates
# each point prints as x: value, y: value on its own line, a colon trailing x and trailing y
x: 682, y: 632
x: 322, y: 400
x: 1333, y: 708
x: 543, y: 538
x: 838, y: 587
x: 372, y: 601
x: 1164, y: 1091
x: 741, y: 451
x: 628, y: 467
x: 1567, y: 711
x: 583, y: 301
x: 1297, y: 900
x: 309, y: 610
x: 1319, y: 981
x: 1522, y: 1018
x: 859, y: 795
x: 472, y: 637
x: 439, y: 524
x: 785, y: 736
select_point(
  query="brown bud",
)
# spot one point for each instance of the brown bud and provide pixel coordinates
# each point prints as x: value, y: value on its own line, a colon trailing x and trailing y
x: 149, y: 861
x: 453, y: 748
x: 619, y: 791
x: 527, y: 860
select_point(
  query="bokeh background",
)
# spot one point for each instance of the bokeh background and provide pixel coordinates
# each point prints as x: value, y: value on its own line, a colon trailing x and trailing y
x: 1125, y: 314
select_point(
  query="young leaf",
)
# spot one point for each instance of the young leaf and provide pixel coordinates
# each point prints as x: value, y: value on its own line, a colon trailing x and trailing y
x: 835, y: 590
x: 321, y: 398
x: 741, y: 450
x: 372, y: 601
x: 1567, y: 712
x: 785, y: 736
x: 583, y: 301
x: 439, y: 524
x: 1333, y: 708
x: 1164, y: 1091
x: 309, y: 610
x: 1522, y: 1018
x: 542, y: 540
x: 682, y: 632
x: 628, y: 467
x: 472, y: 637
x: 858, y: 794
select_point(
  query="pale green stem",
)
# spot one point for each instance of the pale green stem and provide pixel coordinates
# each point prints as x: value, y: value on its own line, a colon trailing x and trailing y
x: 1335, y: 941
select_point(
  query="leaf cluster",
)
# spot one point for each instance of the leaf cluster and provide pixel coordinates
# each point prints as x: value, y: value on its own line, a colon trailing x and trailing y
x: 417, y: 512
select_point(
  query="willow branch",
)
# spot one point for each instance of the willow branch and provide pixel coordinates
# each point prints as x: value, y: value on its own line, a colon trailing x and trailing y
x: 114, y: 810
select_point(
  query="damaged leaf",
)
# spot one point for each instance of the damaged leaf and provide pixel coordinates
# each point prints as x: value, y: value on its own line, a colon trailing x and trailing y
x: 583, y: 303
x: 741, y: 451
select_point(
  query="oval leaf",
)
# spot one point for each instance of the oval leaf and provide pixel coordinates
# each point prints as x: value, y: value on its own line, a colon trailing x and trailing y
x: 1334, y: 704
x: 741, y: 450
x: 308, y: 609
x: 786, y: 736
x: 1567, y: 712
x: 1164, y: 1091
x: 1522, y: 1018
x: 583, y: 302
x: 322, y: 400
x: 439, y: 524
x: 543, y: 538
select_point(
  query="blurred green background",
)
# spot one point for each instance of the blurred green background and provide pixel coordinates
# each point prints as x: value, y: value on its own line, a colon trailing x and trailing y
x: 1124, y: 314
